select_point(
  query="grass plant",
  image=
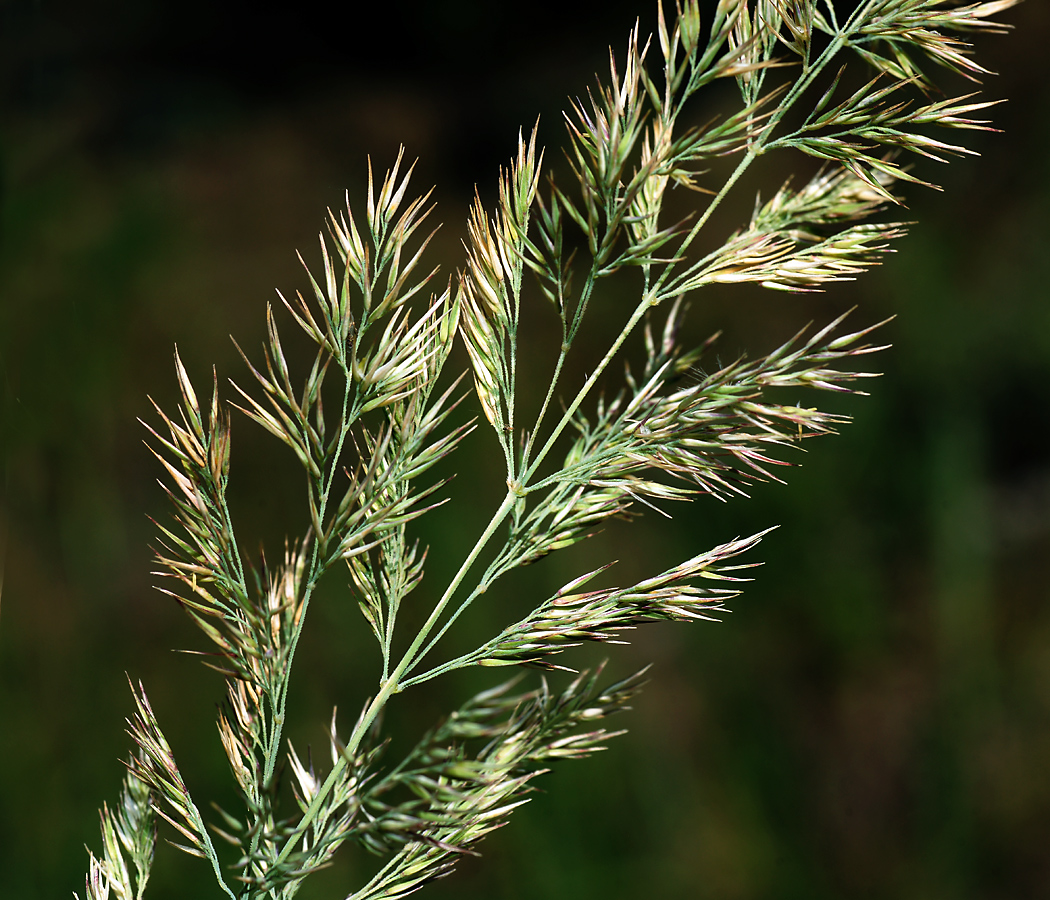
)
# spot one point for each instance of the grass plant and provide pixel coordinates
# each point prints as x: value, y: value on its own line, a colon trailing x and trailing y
x: 377, y: 410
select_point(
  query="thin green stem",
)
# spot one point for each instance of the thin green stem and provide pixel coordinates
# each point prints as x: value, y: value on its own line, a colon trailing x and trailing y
x: 832, y: 15
x: 228, y: 522
x: 209, y: 850
x: 316, y: 564
x: 393, y: 685
x: 585, y: 299
x: 462, y: 608
x: 393, y: 601
x: 508, y: 436
x: 412, y: 654
x: 639, y: 311
x: 749, y: 157
x: 374, y: 708
x: 394, y: 862
x: 567, y: 337
x: 272, y: 750
x: 555, y: 377
x: 467, y: 659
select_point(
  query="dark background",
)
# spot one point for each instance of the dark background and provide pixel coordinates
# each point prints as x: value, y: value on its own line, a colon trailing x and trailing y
x: 873, y: 719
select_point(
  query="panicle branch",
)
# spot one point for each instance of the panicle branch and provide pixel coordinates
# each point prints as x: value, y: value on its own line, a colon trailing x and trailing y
x: 572, y: 617
x: 458, y: 796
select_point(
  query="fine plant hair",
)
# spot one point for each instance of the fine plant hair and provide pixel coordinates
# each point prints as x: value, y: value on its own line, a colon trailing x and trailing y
x: 384, y: 335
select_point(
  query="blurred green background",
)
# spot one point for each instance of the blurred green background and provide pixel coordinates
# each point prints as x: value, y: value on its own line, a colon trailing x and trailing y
x: 871, y: 721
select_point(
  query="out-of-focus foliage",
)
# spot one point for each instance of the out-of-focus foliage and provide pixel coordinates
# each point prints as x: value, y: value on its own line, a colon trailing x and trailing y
x: 872, y: 720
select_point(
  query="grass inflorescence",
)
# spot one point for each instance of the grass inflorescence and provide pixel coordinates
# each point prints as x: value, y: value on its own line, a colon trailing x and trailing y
x: 377, y: 410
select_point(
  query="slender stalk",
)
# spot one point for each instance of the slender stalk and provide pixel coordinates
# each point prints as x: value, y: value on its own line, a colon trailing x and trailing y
x: 551, y: 388
x: 581, y: 395
x: 410, y: 657
x: 568, y: 336
x: 392, y: 685
x: 228, y: 522
x: 271, y: 753
x: 449, y: 622
x: 209, y: 852
x: 749, y: 157
x: 374, y: 708
x: 316, y: 566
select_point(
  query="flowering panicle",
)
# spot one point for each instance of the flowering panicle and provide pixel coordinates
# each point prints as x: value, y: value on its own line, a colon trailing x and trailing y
x: 371, y: 412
